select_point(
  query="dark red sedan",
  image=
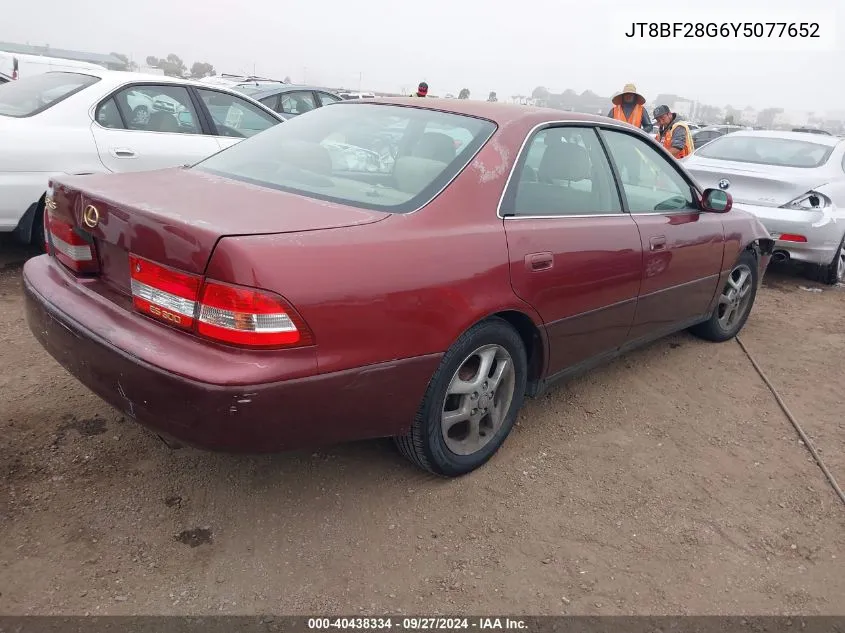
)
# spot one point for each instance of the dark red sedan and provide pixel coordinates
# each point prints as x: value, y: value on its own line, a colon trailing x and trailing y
x: 409, y: 268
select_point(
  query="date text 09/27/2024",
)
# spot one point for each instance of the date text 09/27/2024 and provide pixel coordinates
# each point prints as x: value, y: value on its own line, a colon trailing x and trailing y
x: 416, y: 623
x: 725, y: 30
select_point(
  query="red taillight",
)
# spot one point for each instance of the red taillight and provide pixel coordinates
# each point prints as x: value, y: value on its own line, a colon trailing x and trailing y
x: 69, y: 247
x: 229, y: 314
x: 164, y: 293
x: 249, y: 317
x: 792, y: 237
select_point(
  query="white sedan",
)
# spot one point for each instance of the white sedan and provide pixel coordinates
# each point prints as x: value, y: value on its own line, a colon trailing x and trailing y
x: 108, y: 121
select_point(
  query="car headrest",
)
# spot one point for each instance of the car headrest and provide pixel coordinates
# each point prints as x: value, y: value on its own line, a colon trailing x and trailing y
x: 311, y: 156
x: 564, y: 161
x: 436, y: 146
x: 412, y: 173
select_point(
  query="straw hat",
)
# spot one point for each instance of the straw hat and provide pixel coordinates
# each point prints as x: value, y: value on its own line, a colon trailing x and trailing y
x: 628, y: 89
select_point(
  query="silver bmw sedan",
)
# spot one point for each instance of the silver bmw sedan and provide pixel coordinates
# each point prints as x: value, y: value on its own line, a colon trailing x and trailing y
x: 794, y: 182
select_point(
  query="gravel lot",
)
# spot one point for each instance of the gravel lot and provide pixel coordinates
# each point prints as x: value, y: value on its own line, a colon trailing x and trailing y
x: 668, y: 482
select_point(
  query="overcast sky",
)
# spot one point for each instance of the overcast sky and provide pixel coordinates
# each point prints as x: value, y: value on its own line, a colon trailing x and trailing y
x: 510, y: 47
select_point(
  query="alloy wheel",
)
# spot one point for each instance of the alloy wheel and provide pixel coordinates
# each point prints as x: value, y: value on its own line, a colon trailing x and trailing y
x: 478, y: 399
x: 735, y: 298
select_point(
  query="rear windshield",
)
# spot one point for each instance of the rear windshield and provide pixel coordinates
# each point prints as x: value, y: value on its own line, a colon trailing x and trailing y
x: 764, y: 150
x: 381, y: 157
x: 31, y: 95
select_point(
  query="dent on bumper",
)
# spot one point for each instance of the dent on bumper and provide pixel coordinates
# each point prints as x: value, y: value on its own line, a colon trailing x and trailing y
x: 823, y: 237
x: 374, y: 401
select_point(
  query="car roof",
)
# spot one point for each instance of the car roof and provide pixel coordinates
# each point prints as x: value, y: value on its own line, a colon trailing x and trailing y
x: 118, y: 77
x: 819, y: 139
x: 269, y: 91
x: 500, y: 113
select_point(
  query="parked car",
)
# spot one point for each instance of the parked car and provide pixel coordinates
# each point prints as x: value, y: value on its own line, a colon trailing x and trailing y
x: 702, y: 136
x: 268, y: 297
x: 811, y: 130
x: 29, y: 65
x: 290, y: 100
x: 103, y: 121
x: 793, y: 182
x: 236, y: 81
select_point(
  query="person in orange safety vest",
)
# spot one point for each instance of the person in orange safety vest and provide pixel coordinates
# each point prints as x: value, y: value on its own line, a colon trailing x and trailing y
x: 674, y: 133
x: 628, y: 107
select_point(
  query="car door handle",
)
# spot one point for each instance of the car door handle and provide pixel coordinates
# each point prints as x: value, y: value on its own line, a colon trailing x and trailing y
x: 122, y: 152
x: 539, y: 261
x: 658, y: 243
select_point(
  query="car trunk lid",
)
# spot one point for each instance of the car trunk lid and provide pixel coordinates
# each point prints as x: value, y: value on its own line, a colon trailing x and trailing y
x: 176, y: 216
x: 748, y: 183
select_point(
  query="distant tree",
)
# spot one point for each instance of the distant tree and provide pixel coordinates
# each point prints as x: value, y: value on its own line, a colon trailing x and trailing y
x: 172, y: 65
x: 492, y: 96
x: 729, y: 119
x: 287, y: 79
x: 202, y: 69
x: 540, y: 92
x: 128, y: 65
x: 464, y: 93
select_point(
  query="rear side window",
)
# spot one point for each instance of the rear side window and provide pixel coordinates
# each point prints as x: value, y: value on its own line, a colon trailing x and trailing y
x: 380, y: 157
x: 157, y: 108
x: 31, y: 95
x: 766, y: 150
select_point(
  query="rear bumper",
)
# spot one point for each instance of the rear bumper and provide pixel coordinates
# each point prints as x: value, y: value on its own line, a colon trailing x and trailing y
x: 374, y: 401
x: 823, y: 232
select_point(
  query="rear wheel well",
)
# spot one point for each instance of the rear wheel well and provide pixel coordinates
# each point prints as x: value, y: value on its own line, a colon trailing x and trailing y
x: 530, y: 335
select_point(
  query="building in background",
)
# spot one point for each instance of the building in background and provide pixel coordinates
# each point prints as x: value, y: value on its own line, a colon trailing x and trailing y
x: 109, y: 61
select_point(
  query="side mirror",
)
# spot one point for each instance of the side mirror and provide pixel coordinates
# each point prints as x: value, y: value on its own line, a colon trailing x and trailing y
x: 716, y: 201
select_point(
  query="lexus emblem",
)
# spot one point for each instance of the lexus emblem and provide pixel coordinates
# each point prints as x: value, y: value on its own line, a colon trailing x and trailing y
x: 724, y: 183
x: 91, y: 216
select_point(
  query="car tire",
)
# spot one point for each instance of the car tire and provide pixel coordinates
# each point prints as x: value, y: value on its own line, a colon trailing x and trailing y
x: 455, y: 433
x: 736, y: 299
x: 834, y: 272
x: 37, y: 236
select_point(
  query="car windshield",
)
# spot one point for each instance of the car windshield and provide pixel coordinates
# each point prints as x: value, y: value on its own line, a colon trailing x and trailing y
x: 766, y: 150
x: 35, y: 94
x: 382, y: 157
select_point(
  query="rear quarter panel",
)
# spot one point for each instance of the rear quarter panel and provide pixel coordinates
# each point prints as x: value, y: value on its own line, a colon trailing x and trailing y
x: 404, y: 287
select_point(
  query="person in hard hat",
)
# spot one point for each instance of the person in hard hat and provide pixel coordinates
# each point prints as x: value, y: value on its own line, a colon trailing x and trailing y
x: 422, y: 90
x: 673, y: 132
x: 628, y: 107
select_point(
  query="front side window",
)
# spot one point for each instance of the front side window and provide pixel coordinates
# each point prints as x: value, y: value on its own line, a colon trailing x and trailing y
x: 297, y: 102
x: 158, y: 108
x: 767, y: 150
x: 234, y: 116
x: 650, y: 182
x: 563, y: 171
x: 31, y: 95
x: 388, y: 158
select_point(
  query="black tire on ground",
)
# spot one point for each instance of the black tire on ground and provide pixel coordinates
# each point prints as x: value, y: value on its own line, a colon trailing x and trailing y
x: 834, y: 272
x: 718, y: 328
x: 37, y: 237
x: 425, y: 444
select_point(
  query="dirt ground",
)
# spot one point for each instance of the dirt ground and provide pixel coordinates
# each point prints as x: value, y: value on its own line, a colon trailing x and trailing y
x: 668, y: 482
